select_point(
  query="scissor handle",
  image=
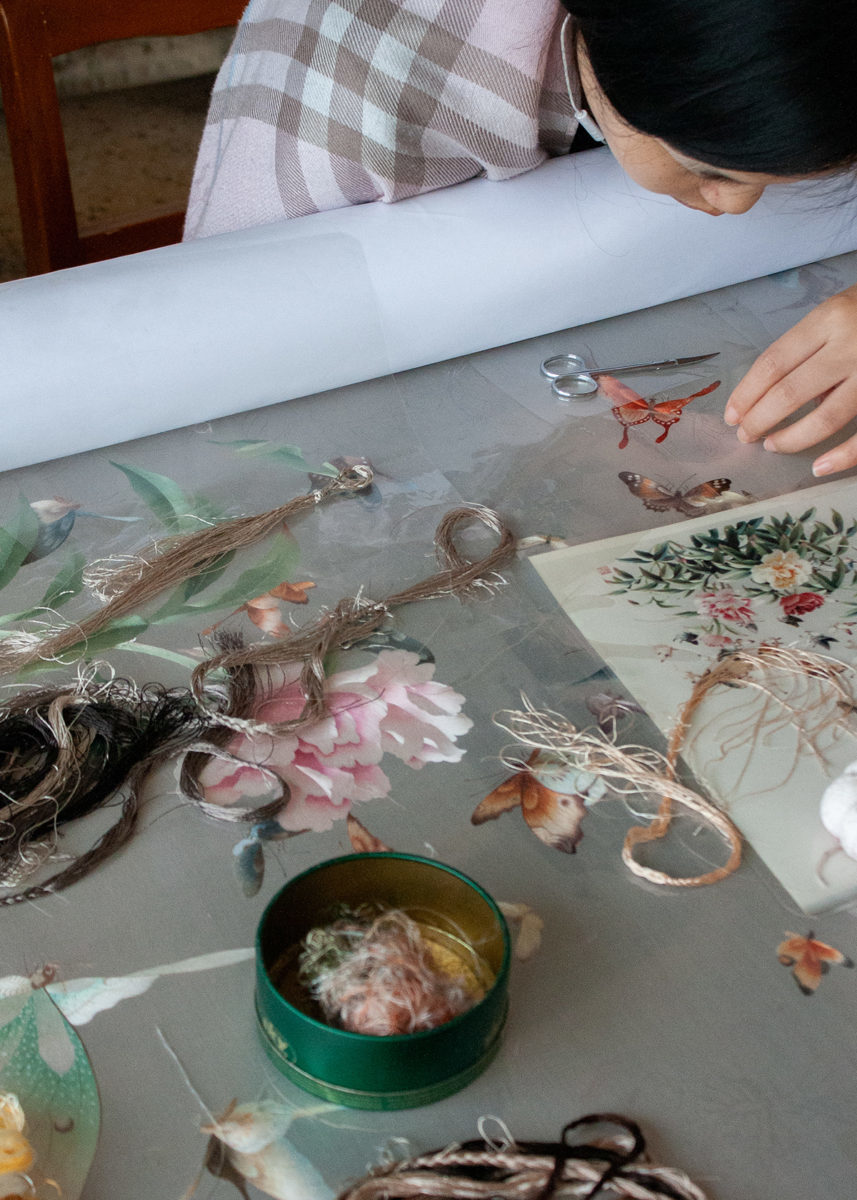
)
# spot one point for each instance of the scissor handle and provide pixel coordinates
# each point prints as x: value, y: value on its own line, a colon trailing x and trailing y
x: 562, y: 364
x: 574, y: 387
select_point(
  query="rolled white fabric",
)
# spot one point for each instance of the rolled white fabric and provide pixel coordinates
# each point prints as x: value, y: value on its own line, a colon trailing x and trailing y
x: 134, y: 346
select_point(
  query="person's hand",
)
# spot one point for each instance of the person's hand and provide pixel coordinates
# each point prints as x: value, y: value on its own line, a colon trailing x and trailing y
x: 816, y: 360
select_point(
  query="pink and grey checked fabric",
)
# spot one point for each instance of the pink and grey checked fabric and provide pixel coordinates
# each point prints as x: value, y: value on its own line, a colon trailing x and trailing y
x: 322, y: 104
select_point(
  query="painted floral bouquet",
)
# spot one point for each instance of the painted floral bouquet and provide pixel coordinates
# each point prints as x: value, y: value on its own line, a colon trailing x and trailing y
x: 734, y: 576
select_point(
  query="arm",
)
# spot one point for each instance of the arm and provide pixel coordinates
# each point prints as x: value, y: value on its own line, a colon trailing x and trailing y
x: 816, y: 360
x: 319, y: 106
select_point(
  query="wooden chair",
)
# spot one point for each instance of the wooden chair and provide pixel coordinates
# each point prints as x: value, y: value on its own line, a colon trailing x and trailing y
x: 32, y: 33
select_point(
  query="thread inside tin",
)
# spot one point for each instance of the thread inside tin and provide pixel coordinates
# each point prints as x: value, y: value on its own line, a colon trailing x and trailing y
x: 379, y: 971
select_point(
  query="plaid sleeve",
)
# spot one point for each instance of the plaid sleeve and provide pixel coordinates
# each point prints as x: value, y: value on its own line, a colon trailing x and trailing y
x: 322, y: 104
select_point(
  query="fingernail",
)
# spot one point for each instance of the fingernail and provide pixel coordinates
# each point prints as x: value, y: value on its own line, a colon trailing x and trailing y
x: 743, y: 435
x: 768, y: 444
x: 824, y: 466
x: 730, y: 415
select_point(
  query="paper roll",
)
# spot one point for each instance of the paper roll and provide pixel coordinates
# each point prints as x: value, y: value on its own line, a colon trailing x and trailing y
x: 120, y: 349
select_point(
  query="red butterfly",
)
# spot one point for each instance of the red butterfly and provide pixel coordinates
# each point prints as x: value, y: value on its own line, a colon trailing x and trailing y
x: 694, y: 502
x: 631, y: 408
x: 809, y: 959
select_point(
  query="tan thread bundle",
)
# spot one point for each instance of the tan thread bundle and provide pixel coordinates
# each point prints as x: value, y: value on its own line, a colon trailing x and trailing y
x: 638, y: 769
x: 356, y: 617
x: 167, y: 563
x: 613, y: 1168
x: 45, y: 783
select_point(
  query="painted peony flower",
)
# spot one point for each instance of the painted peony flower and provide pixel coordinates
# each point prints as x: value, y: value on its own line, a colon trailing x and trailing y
x: 799, y: 603
x: 391, y: 705
x: 718, y: 641
x: 782, y: 569
x: 724, y: 604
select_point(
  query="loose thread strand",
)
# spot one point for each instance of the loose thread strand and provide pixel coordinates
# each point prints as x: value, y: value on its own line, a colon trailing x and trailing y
x: 104, y: 848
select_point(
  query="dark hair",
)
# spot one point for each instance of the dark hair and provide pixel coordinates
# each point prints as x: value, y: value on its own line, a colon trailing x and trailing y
x: 747, y: 85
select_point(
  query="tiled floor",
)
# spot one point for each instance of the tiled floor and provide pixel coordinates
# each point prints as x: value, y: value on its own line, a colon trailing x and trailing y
x: 131, y: 151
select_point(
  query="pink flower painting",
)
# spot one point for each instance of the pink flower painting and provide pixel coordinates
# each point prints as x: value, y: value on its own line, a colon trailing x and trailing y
x: 392, y: 705
x: 724, y: 604
x: 717, y: 641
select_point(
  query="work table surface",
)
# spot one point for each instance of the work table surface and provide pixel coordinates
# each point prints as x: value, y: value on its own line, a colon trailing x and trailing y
x: 666, y: 1005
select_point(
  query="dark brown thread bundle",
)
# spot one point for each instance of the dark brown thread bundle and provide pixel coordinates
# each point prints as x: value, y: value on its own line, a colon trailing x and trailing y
x: 56, y: 769
x: 69, y: 750
x: 483, y: 1170
x: 169, y: 562
x: 66, y: 753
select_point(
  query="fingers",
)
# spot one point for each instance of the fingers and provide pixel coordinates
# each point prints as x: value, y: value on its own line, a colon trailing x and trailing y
x: 816, y: 360
x: 773, y: 366
x: 834, y: 411
x: 789, y: 394
x: 840, y: 458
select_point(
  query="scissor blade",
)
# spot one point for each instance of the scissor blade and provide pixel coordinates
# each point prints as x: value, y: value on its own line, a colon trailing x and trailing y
x: 653, y: 366
x: 696, y: 358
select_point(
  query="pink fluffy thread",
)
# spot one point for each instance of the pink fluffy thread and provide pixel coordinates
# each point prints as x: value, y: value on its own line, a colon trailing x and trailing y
x: 375, y: 975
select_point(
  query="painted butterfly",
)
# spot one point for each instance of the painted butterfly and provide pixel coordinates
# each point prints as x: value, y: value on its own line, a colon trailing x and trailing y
x: 695, y: 501
x: 809, y: 959
x: 553, y: 816
x: 630, y: 408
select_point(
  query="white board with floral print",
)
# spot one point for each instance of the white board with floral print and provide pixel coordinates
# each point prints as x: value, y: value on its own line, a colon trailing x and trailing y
x: 663, y: 606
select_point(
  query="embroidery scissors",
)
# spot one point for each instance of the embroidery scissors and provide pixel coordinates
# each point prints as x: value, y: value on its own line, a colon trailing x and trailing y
x: 570, y: 377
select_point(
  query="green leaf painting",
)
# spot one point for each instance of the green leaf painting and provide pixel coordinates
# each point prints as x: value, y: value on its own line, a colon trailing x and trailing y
x: 65, y: 585
x: 17, y: 540
x: 176, y: 511
x: 180, y: 513
x: 199, y: 582
x: 275, y: 567
x: 108, y: 638
x: 277, y: 564
x: 43, y: 1063
x: 68, y: 583
x: 284, y: 454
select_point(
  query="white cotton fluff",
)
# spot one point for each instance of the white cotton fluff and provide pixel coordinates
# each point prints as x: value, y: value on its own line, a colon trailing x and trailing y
x: 838, y: 810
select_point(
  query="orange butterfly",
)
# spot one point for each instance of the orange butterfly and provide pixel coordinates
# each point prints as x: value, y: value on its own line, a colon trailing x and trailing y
x: 809, y: 959
x: 630, y: 408
x: 693, y: 502
x: 554, y: 817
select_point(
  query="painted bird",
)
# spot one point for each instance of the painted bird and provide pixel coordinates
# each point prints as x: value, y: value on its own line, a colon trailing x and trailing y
x: 56, y: 521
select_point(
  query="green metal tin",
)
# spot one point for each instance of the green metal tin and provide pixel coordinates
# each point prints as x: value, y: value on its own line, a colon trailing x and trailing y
x: 360, y: 1070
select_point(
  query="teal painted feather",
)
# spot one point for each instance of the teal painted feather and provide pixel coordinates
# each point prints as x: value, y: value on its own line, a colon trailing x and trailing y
x: 43, y: 1062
